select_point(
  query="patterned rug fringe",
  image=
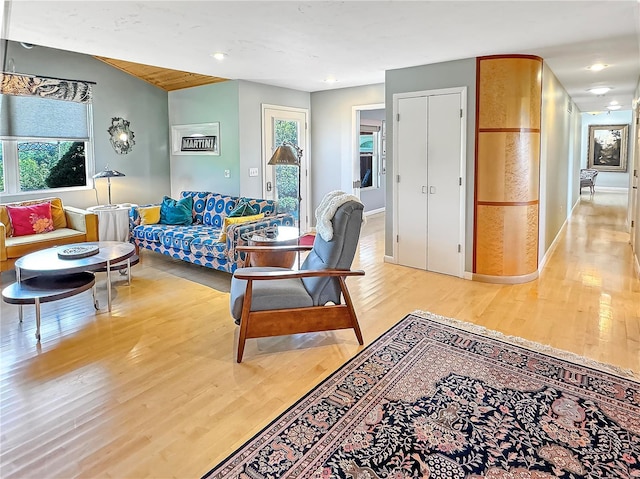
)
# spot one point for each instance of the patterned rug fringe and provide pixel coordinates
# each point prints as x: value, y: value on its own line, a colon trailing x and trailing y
x: 532, y: 345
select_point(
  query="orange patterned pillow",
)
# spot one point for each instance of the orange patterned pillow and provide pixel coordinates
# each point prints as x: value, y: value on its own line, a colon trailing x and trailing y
x: 32, y: 219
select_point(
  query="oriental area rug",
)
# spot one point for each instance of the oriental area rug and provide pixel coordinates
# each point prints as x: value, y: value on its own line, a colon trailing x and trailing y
x: 438, y: 398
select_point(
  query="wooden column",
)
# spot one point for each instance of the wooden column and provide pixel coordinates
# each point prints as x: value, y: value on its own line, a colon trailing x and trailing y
x: 507, y: 170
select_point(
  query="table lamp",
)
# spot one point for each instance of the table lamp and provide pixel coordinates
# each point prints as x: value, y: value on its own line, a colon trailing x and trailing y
x: 108, y: 174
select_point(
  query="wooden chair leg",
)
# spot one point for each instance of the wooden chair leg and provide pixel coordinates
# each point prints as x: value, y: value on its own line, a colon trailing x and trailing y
x: 244, y: 320
x: 352, y: 312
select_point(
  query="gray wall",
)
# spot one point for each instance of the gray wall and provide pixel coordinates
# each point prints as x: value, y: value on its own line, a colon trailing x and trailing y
x: 457, y: 73
x: 615, y: 179
x: 634, y: 160
x: 332, y: 133
x: 116, y: 94
x: 558, y: 160
x: 217, y: 102
x: 251, y: 98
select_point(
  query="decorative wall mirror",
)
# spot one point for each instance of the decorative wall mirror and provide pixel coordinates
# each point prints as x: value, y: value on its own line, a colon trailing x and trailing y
x: 121, y: 136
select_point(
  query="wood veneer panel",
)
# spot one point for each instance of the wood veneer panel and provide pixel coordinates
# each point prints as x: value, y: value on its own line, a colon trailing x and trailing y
x: 507, y: 240
x: 509, y: 92
x: 165, y: 78
x: 508, y: 166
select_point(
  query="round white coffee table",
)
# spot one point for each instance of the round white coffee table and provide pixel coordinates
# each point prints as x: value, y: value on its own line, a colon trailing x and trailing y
x: 110, y: 256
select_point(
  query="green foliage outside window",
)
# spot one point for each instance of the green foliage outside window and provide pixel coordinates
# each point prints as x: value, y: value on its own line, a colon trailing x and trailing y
x: 54, y: 164
x: 70, y: 170
x: 287, y: 176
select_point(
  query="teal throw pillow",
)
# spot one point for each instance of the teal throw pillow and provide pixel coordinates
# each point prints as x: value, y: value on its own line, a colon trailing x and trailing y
x: 176, y: 212
x: 243, y: 209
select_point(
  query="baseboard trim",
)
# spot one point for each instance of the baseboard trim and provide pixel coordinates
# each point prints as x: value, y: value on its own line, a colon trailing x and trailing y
x: 487, y: 278
x: 554, y: 243
x: 612, y: 189
x: 389, y: 259
x: 374, y: 212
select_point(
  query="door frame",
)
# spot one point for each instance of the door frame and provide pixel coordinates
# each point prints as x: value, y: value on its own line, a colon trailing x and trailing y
x: 462, y: 168
x: 355, y: 144
x: 305, y: 161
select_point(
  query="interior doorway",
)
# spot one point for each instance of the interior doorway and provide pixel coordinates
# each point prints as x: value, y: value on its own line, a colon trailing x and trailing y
x: 369, y: 156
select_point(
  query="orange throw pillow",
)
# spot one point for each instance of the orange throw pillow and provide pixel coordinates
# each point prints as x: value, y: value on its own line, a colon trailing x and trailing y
x: 32, y: 219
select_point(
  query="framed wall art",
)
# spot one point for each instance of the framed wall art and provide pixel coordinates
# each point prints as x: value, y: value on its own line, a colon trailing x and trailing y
x: 196, y: 139
x: 608, y: 147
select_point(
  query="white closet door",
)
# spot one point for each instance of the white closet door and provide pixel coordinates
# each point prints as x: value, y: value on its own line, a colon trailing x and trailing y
x: 412, y: 175
x: 443, y: 172
x: 429, y: 209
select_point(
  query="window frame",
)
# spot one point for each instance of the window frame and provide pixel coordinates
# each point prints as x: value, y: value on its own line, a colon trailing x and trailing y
x: 11, y: 167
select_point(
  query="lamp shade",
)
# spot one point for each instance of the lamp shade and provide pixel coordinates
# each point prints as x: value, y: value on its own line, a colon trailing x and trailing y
x: 285, y: 155
x: 107, y: 173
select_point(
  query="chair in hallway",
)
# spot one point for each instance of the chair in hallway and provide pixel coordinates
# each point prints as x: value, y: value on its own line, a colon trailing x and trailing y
x: 268, y: 301
x: 588, y: 179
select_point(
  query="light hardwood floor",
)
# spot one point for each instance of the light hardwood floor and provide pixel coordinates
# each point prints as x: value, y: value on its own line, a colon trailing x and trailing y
x: 152, y: 389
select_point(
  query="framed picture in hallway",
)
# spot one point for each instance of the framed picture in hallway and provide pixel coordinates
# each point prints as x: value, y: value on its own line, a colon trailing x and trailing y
x: 608, y: 147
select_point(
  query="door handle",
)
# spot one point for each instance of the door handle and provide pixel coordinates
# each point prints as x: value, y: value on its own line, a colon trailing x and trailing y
x: 423, y: 190
x: 432, y: 190
x: 268, y: 186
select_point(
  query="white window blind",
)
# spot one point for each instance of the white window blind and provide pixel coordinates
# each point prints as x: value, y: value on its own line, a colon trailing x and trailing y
x: 37, y: 117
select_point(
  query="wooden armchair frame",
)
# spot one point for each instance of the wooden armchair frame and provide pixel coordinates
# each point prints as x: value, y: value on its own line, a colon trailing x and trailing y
x: 278, y: 322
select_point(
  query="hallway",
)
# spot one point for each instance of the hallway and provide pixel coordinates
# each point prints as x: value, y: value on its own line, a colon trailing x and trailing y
x: 586, y: 300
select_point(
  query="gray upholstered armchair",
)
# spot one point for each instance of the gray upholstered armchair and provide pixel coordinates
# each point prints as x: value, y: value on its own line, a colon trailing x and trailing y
x: 588, y: 179
x: 269, y: 301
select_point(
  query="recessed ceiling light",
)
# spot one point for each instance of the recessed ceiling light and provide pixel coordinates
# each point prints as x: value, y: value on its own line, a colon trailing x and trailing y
x: 601, y: 90
x: 594, y: 112
x: 330, y: 80
x: 219, y: 56
x: 596, y: 67
x: 613, y: 103
x: 614, y: 107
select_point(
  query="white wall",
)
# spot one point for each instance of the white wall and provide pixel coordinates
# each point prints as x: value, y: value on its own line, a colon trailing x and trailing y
x: 614, y: 179
x: 251, y: 98
x: 559, y: 165
x: 634, y: 167
x: 332, y: 133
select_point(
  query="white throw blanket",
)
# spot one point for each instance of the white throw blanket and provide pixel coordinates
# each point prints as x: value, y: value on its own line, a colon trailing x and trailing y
x: 327, y: 208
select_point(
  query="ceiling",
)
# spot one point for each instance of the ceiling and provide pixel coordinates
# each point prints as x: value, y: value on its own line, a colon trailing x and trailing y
x: 299, y: 45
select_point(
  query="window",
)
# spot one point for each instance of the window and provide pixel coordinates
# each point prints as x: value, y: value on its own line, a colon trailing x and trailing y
x: 44, y: 142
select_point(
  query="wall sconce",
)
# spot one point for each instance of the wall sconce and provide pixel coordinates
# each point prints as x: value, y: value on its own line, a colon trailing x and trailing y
x: 121, y: 136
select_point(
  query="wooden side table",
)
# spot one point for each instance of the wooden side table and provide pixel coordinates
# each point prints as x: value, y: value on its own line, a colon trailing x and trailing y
x: 283, y: 236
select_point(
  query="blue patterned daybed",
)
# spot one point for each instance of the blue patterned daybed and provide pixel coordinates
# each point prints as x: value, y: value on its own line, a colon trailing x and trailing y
x: 198, y: 243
